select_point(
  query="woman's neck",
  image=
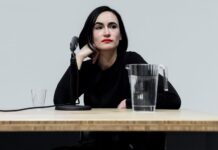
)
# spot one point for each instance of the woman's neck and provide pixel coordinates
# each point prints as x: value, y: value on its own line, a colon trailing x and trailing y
x: 107, y: 59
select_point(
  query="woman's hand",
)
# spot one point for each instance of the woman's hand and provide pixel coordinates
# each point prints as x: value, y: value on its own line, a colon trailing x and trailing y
x: 83, y: 53
x: 122, y: 104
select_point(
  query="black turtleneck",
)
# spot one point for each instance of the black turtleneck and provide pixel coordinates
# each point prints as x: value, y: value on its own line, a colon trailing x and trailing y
x: 107, y: 88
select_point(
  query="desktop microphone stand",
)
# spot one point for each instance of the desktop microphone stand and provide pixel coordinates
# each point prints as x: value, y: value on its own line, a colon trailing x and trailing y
x: 72, y: 107
x: 69, y: 107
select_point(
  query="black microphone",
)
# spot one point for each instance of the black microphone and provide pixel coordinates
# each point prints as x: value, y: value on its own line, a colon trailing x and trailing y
x: 74, y: 43
x: 73, y: 46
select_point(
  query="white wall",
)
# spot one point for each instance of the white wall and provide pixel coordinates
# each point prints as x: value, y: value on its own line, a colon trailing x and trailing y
x: 35, y: 36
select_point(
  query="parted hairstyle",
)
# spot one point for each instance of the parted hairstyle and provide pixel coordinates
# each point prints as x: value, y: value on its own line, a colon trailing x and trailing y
x: 86, y: 35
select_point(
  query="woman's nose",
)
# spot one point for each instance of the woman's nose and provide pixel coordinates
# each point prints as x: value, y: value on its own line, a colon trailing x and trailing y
x: 106, y: 32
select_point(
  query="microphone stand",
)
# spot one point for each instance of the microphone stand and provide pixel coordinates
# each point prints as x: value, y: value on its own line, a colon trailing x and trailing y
x: 72, y: 106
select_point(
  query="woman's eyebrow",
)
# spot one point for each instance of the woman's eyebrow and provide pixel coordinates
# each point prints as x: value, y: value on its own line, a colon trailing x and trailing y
x: 98, y: 23
x: 110, y: 23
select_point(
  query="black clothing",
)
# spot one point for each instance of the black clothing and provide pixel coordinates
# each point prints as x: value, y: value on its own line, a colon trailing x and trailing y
x: 107, y: 88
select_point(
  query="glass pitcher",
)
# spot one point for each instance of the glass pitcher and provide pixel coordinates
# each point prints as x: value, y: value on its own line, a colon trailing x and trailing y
x: 144, y: 82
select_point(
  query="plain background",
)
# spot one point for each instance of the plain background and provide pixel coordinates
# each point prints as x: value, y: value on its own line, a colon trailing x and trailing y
x: 181, y: 34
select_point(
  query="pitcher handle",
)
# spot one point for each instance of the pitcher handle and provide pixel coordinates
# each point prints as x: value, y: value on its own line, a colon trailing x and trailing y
x: 165, y: 76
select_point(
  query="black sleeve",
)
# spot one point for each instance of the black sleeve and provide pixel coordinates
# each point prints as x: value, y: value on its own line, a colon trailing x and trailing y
x: 134, y: 58
x: 67, y: 89
x: 165, y: 99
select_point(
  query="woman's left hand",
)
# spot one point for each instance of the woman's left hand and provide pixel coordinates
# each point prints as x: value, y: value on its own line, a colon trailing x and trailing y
x: 122, y: 104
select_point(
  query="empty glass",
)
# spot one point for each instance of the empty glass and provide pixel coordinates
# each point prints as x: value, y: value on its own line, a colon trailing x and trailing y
x: 38, y: 97
x: 144, y: 82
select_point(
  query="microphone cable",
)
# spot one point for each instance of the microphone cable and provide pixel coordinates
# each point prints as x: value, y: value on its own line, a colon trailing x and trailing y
x: 25, y: 108
x: 77, y: 107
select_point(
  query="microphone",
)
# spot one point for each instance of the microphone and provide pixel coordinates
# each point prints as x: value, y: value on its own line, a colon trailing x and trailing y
x: 74, y: 43
x: 70, y: 107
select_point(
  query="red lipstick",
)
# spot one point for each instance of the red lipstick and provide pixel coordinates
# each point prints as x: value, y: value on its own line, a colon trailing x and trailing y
x: 107, y: 40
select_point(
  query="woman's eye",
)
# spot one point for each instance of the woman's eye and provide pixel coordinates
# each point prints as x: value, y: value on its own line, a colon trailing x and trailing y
x: 98, y: 27
x: 114, y: 26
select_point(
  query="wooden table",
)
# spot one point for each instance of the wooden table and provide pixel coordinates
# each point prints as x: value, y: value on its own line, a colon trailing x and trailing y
x: 107, y: 120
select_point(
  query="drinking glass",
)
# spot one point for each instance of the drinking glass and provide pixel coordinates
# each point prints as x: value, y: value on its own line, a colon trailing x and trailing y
x: 38, y: 97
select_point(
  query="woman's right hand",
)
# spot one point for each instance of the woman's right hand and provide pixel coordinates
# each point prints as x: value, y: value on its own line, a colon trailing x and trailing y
x: 83, y: 53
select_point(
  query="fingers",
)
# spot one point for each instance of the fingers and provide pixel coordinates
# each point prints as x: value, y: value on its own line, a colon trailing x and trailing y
x: 88, y: 51
x: 122, y: 104
x: 92, y: 46
x: 95, y: 54
x: 85, y: 52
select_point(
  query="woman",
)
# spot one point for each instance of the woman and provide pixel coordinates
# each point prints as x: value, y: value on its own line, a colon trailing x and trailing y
x: 103, y: 79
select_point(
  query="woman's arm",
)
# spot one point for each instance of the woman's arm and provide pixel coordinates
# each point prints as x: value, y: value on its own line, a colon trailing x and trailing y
x: 67, y: 90
x: 167, y: 99
x: 84, y: 53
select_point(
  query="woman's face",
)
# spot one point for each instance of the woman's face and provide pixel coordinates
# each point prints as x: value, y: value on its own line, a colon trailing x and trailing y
x: 106, y: 32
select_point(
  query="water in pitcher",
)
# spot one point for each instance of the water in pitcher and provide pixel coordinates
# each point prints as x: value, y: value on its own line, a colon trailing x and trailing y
x: 143, y: 92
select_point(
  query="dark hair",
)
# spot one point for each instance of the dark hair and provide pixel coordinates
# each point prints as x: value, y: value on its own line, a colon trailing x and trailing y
x: 86, y: 35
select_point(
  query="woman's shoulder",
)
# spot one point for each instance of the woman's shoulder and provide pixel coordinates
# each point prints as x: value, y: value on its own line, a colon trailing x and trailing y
x: 133, y: 57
